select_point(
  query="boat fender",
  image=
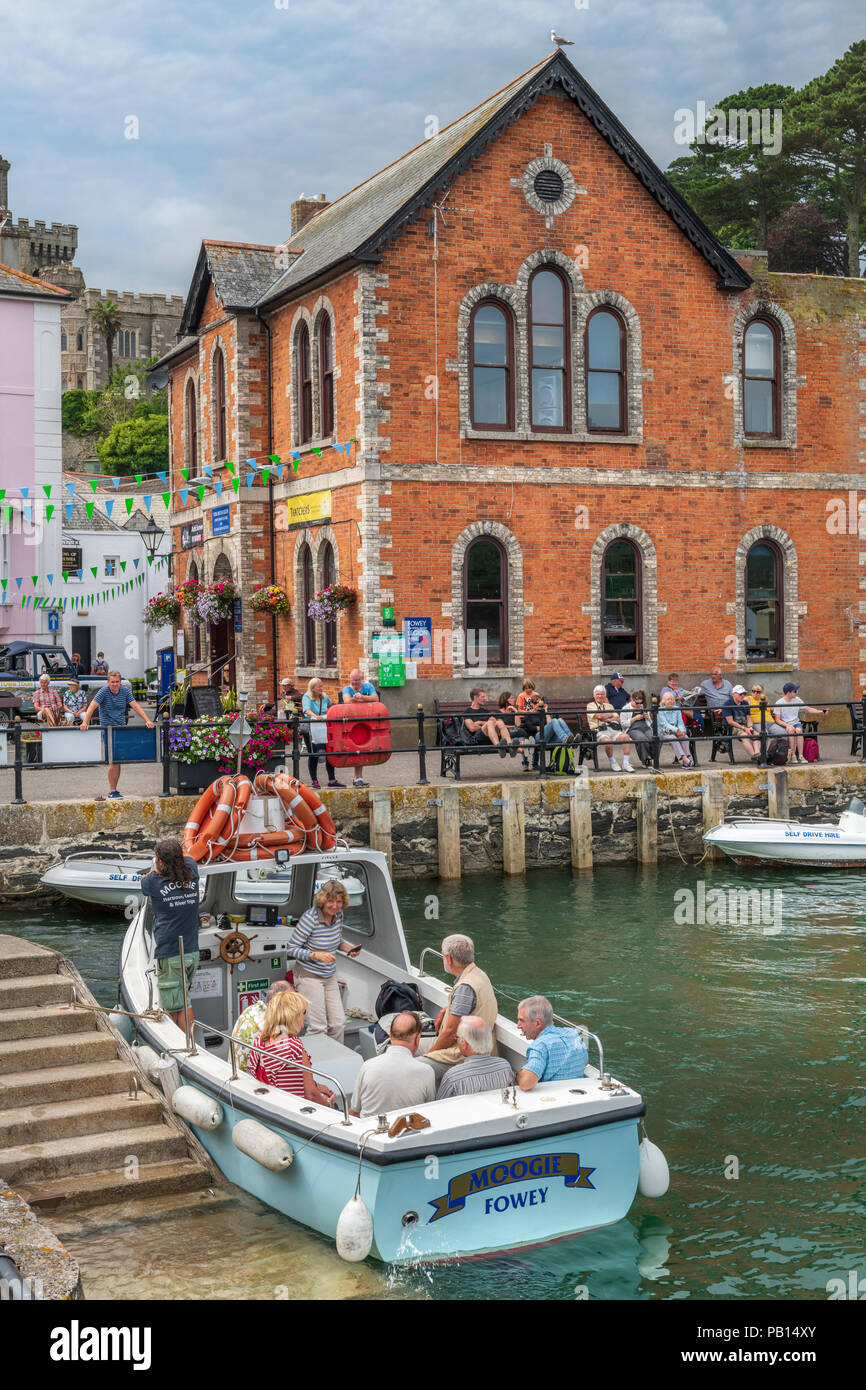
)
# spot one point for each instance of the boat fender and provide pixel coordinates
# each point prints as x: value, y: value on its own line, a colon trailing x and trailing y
x: 354, y: 1231
x: 260, y: 1143
x: 655, y: 1178
x: 200, y: 1110
x: 123, y: 1026
x: 167, y: 1076
x: 148, y: 1060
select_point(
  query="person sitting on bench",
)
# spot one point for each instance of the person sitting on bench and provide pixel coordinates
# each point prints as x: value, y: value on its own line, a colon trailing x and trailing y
x: 485, y: 728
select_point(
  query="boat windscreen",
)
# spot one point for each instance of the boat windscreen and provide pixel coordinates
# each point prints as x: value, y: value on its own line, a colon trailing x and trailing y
x: 856, y: 807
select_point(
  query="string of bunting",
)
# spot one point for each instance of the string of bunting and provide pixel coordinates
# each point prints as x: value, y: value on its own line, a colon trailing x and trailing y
x: 272, y: 467
x: 58, y: 600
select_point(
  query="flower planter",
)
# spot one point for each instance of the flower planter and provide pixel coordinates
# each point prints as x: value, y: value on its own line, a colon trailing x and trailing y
x: 185, y: 778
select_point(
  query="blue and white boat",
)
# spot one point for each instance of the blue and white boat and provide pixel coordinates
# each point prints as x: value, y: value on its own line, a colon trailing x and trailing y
x: 495, y: 1171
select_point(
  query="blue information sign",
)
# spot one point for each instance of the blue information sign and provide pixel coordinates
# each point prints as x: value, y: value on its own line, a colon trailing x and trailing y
x: 220, y: 521
x: 418, y: 638
x: 239, y: 627
x: 54, y: 621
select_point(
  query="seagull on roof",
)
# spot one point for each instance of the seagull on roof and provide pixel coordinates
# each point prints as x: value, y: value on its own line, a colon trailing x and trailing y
x: 560, y: 42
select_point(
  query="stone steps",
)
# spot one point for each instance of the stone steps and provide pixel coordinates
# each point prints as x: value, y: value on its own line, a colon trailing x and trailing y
x: 92, y: 1154
x: 44, y: 1084
x: 20, y: 957
x: 32, y: 1124
x: 33, y: 990
x: 35, y: 1054
x: 42, y: 1021
x: 103, y: 1187
x: 70, y: 1224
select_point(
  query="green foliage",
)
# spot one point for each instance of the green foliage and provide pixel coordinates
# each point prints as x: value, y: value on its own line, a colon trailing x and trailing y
x: 806, y: 242
x: 77, y: 412
x: 139, y: 445
x: 126, y: 397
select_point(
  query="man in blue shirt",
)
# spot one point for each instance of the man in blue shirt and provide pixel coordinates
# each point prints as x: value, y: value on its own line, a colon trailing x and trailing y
x: 112, y: 701
x: 616, y: 692
x: 360, y: 691
x: 554, y: 1054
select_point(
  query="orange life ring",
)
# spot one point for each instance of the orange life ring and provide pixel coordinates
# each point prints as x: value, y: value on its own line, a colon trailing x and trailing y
x: 326, y: 833
x: 297, y: 809
x: 207, y: 819
x: 243, y: 789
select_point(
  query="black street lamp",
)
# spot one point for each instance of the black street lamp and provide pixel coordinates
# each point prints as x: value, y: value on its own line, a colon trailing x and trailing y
x: 152, y: 535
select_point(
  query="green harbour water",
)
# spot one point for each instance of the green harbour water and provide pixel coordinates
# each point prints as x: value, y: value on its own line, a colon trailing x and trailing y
x: 744, y: 1038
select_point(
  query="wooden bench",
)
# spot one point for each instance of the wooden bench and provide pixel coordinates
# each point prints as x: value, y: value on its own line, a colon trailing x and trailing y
x: 571, y: 709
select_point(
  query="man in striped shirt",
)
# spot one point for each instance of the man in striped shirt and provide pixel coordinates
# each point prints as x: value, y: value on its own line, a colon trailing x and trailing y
x: 313, y: 943
x: 479, y: 1070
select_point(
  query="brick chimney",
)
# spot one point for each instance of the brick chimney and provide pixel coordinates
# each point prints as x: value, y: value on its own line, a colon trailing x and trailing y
x: 304, y: 208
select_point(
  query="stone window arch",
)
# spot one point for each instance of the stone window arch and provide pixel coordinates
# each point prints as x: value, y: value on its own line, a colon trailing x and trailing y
x: 222, y: 569
x: 788, y: 588
x: 219, y: 403
x: 191, y: 424
x: 650, y: 608
x: 467, y: 651
x: 782, y: 325
x: 325, y: 372
x: 304, y: 578
x: 586, y: 306
x: 302, y: 321
x: 326, y: 569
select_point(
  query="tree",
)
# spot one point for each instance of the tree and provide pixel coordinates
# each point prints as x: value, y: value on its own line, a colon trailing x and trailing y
x: 137, y: 445
x: 804, y: 241
x: 77, y: 412
x: 828, y: 118
x: 106, y: 316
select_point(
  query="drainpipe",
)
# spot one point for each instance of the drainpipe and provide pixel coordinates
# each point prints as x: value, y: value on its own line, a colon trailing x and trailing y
x: 271, y: 528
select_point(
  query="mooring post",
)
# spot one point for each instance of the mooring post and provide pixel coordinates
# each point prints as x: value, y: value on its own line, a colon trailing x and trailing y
x: 513, y: 829
x: 422, y: 749
x: 380, y: 821
x: 448, y: 827
x: 580, y: 824
x: 777, y: 793
x: 648, y: 822
x: 18, y: 798
x: 714, y: 806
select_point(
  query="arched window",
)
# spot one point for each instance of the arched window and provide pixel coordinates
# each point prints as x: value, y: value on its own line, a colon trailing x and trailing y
x: 761, y: 379
x: 329, y: 576
x: 62, y: 342
x: 307, y: 593
x: 221, y: 430
x: 191, y: 429
x: 605, y: 372
x: 485, y: 608
x: 764, y: 605
x: 621, y: 617
x: 548, y: 350
x: 326, y: 367
x: 305, y: 386
x: 491, y: 351
x: 79, y: 342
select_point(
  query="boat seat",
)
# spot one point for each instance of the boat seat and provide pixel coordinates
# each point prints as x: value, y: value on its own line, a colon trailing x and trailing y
x: 335, y: 1058
x: 367, y: 1043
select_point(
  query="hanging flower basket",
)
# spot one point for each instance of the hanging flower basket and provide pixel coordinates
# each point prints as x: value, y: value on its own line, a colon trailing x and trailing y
x: 215, y: 601
x: 200, y: 750
x: 188, y: 592
x: 163, y: 610
x: 271, y: 598
x: 331, y: 601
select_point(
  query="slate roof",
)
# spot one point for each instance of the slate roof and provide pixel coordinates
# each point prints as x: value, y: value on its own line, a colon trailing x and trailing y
x: 241, y: 273
x: 80, y: 521
x: 358, y: 225
x: 16, y: 282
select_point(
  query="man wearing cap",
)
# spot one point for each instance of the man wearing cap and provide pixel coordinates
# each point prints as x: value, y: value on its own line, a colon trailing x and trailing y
x: 616, y: 693
x: 291, y: 697
x: 74, y: 702
x: 47, y: 703
x: 738, y: 718
x: 787, y: 713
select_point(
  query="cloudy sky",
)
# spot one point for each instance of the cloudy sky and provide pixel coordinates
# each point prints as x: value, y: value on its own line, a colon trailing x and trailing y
x: 243, y: 104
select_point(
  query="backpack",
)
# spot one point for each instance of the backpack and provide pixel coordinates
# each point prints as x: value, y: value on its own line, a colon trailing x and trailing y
x: 452, y: 732
x: 396, y: 997
x: 777, y: 752
x: 810, y: 749
x: 561, y: 761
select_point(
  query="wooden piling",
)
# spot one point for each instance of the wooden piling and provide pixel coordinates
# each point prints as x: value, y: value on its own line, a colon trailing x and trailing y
x: 380, y: 821
x: 778, y: 807
x: 713, y: 797
x: 580, y: 822
x: 513, y: 828
x: 448, y: 825
x: 648, y: 822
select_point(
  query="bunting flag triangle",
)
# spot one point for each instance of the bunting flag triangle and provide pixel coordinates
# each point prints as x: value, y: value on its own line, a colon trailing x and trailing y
x: 109, y: 506
x: 116, y: 482
x: 138, y: 479
x: 28, y: 510
x: 208, y: 470
x: 295, y: 467
x: 266, y: 473
x: 18, y: 581
x: 317, y: 452
x: 147, y: 501
x: 166, y: 499
x: 80, y: 574
x: 70, y: 488
x: 201, y: 492
x: 49, y: 512
x: 65, y: 575
x: 296, y: 455
x: 130, y: 503
x: 123, y: 565
x: 184, y: 494
x: 46, y: 488
x: 150, y: 559
x: 251, y: 463
x: 161, y: 477
x: 230, y: 466
x: 25, y: 492
x: 275, y: 459
x: 93, y: 569
x: 184, y: 473
x: 236, y: 482
x: 50, y: 578
x: 8, y: 516
x: 69, y: 509
x: 4, y: 582
x: 280, y: 473
x: 35, y: 578
x: 94, y: 484
x: 88, y: 507
x: 2, y: 493
x: 136, y: 563
x: 218, y: 487
x: 250, y: 479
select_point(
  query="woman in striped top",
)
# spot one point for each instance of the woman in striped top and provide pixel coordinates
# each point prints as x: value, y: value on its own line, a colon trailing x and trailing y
x: 318, y: 934
x: 284, y: 1019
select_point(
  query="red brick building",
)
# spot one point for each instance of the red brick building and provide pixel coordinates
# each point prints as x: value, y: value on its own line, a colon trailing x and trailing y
x: 583, y: 427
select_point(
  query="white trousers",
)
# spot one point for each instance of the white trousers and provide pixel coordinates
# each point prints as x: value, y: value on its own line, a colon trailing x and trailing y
x: 325, y: 1013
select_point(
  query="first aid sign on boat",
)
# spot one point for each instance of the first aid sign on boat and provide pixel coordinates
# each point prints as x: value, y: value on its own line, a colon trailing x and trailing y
x: 566, y: 1166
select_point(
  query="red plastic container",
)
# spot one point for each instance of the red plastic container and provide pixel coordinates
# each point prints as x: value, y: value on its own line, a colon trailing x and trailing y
x: 359, y: 734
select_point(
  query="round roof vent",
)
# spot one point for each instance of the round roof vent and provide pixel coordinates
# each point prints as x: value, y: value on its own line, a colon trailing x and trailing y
x: 548, y: 185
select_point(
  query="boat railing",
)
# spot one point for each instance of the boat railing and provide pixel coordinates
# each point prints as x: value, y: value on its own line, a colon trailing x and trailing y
x: 100, y: 854
x: 566, y: 1022
x: 233, y: 1043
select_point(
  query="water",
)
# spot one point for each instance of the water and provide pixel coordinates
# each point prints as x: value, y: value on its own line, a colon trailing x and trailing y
x: 744, y: 1039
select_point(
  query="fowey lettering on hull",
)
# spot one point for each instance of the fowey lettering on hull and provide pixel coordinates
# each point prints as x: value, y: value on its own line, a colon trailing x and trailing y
x: 566, y: 1166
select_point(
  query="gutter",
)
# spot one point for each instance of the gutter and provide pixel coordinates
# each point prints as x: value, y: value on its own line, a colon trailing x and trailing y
x: 271, y: 527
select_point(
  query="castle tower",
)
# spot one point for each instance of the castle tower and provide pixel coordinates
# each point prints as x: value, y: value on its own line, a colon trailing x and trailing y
x: 5, y: 166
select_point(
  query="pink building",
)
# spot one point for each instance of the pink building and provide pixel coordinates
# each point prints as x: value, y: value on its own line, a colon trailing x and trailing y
x: 30, y: 450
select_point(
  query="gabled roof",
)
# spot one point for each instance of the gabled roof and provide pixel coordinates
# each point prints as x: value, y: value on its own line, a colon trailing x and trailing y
x: 360, y: 224
x: 240, y: 273
x: 16, y: 282
x: 80, y: 521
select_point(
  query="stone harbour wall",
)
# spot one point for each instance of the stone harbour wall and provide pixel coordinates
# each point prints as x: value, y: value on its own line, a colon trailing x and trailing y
x: 478, y: 828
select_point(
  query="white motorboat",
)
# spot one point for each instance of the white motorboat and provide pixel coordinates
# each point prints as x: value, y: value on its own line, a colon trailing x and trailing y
x: 829, y: 845
x: 489, y: 1172
x: 111, y: 880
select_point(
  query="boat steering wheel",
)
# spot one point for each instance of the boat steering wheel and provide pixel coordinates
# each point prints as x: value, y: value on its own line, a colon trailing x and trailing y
x: 234, y: 947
